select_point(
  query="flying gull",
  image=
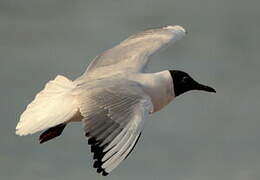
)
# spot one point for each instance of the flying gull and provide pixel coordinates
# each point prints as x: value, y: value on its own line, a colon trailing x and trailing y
x: 113, y: 98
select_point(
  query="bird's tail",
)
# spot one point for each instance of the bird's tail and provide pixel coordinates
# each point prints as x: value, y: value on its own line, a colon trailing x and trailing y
x: 54, y: 105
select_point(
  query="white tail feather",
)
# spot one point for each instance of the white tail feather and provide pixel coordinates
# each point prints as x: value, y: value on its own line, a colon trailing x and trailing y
x: 53, y: 105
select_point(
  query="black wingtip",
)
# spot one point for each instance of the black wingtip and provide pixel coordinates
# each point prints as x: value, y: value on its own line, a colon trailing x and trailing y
x: 104, y: 173
x: 97, y: 150
x: 87, y: 134
x: 92, y: 141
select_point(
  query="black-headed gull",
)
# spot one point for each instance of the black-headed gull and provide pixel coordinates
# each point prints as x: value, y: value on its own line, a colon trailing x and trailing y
x: 113, y: 98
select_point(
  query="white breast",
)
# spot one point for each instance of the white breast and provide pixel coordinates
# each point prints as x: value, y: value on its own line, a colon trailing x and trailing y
x: 158, y: 86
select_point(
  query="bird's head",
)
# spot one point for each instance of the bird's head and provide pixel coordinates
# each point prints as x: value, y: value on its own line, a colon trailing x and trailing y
x: 183, y: 82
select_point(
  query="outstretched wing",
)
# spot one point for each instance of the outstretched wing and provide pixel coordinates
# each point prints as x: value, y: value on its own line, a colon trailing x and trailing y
x: 133, y: 53
x: 113, y: 118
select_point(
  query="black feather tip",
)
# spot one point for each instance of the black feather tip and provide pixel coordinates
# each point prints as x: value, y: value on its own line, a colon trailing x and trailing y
x: 97, y: 150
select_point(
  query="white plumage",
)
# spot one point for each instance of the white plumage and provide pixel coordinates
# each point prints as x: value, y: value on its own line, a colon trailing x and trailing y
x: 112, y: 98
x: 53, y: 105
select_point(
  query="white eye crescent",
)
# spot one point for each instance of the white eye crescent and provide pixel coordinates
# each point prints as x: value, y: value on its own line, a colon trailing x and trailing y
x: 185, y: 79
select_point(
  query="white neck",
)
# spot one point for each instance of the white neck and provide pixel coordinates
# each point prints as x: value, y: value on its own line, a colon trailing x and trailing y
x: 159, y: 86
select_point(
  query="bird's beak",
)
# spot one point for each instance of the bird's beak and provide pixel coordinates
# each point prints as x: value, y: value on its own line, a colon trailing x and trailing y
x: 202, y: 87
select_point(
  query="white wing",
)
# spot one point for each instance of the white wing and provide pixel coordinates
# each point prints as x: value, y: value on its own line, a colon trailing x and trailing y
x: 133, y: 53
x: 113, y: 118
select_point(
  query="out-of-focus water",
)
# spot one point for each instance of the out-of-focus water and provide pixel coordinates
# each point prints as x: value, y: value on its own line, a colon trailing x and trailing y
x: 199, y: 136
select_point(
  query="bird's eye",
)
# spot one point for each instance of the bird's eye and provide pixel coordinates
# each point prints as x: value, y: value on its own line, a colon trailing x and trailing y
x: 185, y: 79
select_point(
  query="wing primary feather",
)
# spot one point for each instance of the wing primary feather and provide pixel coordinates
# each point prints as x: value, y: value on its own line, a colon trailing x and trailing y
x: 113, y: 121
x: 101, y: 129
x: 134, y: 145
x: 112, y: 136
x: 108, y: 131
x: 98, y: 155
x: 134, y: 52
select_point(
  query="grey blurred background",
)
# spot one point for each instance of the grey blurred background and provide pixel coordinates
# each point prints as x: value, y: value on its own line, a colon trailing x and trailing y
x: 199, y: 136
